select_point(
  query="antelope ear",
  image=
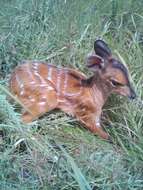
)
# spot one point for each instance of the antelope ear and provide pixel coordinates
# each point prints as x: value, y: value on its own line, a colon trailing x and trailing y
x: 94, y: 62
x: 102, y: 49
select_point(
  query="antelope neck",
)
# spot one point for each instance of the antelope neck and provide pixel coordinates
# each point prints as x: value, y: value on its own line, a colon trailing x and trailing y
x: 99, y: 88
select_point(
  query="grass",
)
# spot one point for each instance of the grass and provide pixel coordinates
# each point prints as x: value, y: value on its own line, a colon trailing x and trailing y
x: 54, y: 152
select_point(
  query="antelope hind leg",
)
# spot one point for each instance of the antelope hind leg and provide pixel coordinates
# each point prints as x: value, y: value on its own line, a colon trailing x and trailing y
x: 44, y: 103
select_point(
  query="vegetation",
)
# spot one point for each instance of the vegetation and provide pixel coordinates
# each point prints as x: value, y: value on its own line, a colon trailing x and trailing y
x: 55, y: 152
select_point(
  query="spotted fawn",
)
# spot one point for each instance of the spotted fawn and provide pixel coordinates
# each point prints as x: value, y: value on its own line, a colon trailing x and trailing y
x: 42, y: 87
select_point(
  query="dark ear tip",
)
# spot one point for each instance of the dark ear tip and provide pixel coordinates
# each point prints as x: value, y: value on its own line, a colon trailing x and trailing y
x: 99, y: 43
x: 101, y: 48
x: 99, y: 40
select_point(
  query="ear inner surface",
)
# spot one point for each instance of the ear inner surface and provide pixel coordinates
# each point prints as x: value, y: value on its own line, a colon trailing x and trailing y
x: 94, y: 60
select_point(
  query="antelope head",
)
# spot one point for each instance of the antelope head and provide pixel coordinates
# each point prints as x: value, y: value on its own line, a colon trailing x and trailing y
x: 112, y: 74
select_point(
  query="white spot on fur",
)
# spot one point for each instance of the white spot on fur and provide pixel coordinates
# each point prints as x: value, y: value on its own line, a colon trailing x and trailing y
x: 21, y: 85
x: 44, y: 96
x: 98, y: 123
x: 32, y: 82
x: 42, y: 103
x: 42, y: 85
x: 50, y: 88
x: 31, y: 99
x: 22, y: 93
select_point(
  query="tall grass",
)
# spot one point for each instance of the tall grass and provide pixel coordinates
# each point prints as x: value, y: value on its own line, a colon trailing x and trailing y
x: 54, y: 152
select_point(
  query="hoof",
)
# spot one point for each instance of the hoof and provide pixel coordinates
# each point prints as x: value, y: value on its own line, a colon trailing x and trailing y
x: 110, y: 140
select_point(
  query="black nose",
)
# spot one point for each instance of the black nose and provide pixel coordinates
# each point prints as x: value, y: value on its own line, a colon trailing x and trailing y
x: 133, y: 94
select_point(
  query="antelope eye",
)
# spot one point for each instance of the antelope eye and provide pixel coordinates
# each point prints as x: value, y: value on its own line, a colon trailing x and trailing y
x: 116, y: 84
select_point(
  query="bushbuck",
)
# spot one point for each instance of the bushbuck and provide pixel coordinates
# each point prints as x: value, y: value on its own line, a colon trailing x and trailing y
x: 42, y: 87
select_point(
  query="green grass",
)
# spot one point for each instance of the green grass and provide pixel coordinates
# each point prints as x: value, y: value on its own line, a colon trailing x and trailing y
x: 55, y: 152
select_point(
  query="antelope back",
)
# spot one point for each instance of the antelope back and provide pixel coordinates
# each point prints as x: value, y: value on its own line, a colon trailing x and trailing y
x: 30, y: 76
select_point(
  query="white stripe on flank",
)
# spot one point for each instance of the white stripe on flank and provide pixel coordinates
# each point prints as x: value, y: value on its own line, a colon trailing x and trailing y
x: 20, y: 84
x: 47, y: 87
x: 58, y: 82
x: 50, y: 73
x: 30, y: 73
x: 35, y: 67
x: 17, y: 79
x: 73, y: 94
x: 43, y: 85
x: 65, y: 82
x: 32, y: 79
